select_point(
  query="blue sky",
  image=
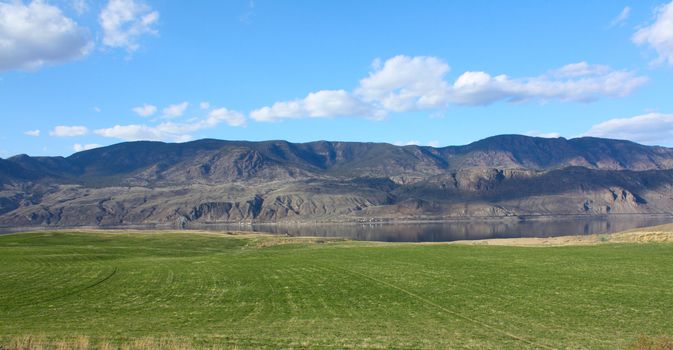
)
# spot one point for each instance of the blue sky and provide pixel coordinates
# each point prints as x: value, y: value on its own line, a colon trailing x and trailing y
x: 76, y: 74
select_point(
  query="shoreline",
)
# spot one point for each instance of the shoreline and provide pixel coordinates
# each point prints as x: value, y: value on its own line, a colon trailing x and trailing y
x: 373, y: 222
x: 650, y: 234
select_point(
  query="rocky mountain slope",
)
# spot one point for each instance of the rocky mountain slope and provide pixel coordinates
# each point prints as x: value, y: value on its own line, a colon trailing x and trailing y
x: 215, y: 181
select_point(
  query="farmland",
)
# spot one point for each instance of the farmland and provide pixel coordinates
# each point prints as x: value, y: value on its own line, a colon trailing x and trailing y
x: 112, y: 290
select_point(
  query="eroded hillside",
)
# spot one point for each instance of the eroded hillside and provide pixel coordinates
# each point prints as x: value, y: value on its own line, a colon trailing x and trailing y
x: 214, y: 181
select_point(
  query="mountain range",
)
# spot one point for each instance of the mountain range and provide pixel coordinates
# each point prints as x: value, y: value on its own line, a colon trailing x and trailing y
x: 217, y: 181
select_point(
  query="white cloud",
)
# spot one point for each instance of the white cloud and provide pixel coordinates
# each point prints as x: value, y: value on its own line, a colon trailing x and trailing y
x: 97, y: 109
x: 80, y: 6
x: 34, y: 133
x: 405, y: 83
x: 79, y: 147
x: 548, y: 135
x: 35, y: 34
x: 135, y: 132
x: 659, y: 35
x: 651, y: 128
x: 124, y: 21
x: 216, y: 116
x: 145, y: 110
x: 204, y: 105
x: 175, y: 110
x: 433, y: 143
x: 407, y: 143
x: 580, y: 69
x: 320, y: 104
x: 621, y: 17
x: 68, y: 131
x: 578, y: 82
x: 175, y: 132
x: 478, y: 88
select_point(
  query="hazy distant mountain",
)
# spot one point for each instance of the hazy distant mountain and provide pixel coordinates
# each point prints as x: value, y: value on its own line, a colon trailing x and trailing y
x: 232, y: 181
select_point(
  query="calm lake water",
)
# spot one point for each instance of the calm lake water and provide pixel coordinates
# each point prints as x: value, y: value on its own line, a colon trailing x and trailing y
x: 458, y: 230
x: 442, y: 231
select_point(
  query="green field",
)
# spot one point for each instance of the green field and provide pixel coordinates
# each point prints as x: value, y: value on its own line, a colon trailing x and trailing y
x: 233, y: 291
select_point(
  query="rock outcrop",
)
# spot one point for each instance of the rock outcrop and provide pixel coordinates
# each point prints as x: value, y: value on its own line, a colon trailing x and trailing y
x: 213, y: 181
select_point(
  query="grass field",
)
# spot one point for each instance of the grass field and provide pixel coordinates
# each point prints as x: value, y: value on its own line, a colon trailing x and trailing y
x: 205, y: 290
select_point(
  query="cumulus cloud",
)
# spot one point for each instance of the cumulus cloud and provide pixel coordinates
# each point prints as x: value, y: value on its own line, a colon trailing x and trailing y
x: 433, y: 143
x: 135, y: 132
x: 621, y: 17
x: 404, y: 83
x: 407, y: 143
x: 145, y: 110
x: 79, y: 147
x: 68, y: 131
x: 124, y: 21
x: 548, y: 135
x: 35, y: 34
x: 659, y: 34
x: 176, y: 110
x: 214, y: 118
x: 218, y: 115
x: 34, y: 133
x: 170, y: 131
x: 320, y: 104
x: 580, y: 69
x: 651, y: 129
x: 204, y: 105
x: 578, y: 82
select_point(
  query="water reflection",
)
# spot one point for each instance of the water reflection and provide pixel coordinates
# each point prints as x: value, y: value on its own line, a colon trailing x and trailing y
x: 455, y: 230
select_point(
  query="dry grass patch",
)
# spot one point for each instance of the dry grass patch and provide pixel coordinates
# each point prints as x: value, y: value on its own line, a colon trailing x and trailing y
x: 654, y: 234
x: 645, y: 342
x: 33, y: 342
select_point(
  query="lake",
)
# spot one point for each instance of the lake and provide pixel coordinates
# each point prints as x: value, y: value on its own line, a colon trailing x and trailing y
x: 445, y: 231
x: 428, y: 231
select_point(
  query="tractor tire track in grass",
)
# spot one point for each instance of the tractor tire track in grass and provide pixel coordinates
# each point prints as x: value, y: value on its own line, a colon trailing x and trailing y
x: 442, y: 308
x: 74, y: 292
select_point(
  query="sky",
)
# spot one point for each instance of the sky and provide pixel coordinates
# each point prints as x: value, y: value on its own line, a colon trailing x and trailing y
x: 80, y: 74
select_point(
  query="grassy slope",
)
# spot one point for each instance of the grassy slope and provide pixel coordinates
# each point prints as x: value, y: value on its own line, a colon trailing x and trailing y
x: 249, y: 291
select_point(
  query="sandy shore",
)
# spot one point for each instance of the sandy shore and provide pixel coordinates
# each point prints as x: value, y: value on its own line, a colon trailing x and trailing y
x: 662, y: 233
